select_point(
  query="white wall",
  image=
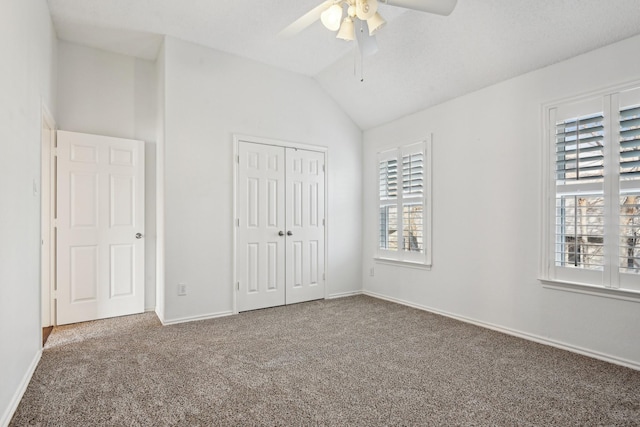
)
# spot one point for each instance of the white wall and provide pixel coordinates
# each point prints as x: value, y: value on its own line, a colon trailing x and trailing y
x: 110, y: 94
x: 27, y: 77
x: 210, y: 96
x: 487, y: 157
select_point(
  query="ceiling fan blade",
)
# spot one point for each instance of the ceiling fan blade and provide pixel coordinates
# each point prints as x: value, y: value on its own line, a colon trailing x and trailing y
x: 305, y: 20
x: 367, y: 44
x: 439, y: 7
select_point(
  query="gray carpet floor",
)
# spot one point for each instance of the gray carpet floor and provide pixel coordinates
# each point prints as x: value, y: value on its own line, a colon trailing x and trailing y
x: 350, y: 361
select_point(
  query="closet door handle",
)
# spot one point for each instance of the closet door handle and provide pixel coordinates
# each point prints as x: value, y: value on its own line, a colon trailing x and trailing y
x: 289, y: 233
x: 280, y: 233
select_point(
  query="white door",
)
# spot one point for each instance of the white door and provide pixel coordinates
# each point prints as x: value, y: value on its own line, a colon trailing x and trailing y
x: 260, y: 247
x: 280, y: 239
x: 99, y: 226
x: 305, y: 225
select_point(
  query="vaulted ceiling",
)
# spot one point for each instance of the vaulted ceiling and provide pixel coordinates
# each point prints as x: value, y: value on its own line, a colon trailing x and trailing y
x: 422, y: 60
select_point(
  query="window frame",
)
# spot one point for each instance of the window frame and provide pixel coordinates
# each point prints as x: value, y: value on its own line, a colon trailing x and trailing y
x: 610, y: 281
x: 402, y: 257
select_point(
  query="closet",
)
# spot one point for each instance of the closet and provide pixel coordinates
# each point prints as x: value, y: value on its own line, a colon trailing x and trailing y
x: 280, y: 238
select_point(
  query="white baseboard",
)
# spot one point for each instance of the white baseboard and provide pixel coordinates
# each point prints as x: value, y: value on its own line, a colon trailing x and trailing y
x: 527, y: 336
x: 344, y: 294
x: 15, y: 401
x: 167, y: 322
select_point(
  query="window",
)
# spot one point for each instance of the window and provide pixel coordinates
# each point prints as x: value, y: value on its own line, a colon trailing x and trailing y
x: 593, y: 225
x: 404, y: 202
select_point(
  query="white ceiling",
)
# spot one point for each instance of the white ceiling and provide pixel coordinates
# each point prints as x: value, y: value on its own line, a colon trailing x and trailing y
x: 422, y: 60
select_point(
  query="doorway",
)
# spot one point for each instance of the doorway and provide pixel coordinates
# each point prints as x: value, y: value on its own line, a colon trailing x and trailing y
x: 280, y: 223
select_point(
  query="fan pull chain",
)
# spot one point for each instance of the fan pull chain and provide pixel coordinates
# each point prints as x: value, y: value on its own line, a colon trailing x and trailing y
x: 361, y: 67
x: 355, y: 62
x: 361, y: 53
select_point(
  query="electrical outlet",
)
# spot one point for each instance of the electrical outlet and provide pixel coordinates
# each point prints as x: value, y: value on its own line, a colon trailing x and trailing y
x: 372, y: 272
x: 182, y: 289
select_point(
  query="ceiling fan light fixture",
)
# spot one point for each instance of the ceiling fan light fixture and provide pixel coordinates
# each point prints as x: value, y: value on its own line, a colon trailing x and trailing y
x: 365, y: 9
x: 331, y: 17
x: 347, y: 31
x: 375, y: 23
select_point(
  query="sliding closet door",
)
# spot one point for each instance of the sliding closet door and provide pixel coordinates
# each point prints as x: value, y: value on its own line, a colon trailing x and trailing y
x: 305, y: 226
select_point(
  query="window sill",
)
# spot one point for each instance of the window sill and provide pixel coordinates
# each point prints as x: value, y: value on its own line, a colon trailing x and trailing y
x: 582, y: 288
x: 406, y: 264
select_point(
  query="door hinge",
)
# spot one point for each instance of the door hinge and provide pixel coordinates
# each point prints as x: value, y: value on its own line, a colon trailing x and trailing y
x: 323, y: 223
x: 238, y: 159
x: 237, y: 222
x: 54, y: 151
x: 323, y: 168
x: 324, y: 276
x: 237, y: 286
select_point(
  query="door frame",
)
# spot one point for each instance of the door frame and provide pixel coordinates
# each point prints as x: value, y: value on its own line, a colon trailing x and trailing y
x: 237, y: 139
x: 47, y: 219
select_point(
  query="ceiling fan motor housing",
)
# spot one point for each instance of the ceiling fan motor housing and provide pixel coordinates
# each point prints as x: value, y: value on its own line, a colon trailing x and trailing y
x: 365, y: 9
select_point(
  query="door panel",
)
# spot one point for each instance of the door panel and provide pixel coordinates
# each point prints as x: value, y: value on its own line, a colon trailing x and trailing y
x: 305, y: 222
x: 260, y: 249
x: 84, y: 273
x: 100, y: 208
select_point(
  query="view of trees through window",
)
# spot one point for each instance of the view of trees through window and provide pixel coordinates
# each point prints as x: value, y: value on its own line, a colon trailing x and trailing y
x: 630, y: 233
x: 580, y: 231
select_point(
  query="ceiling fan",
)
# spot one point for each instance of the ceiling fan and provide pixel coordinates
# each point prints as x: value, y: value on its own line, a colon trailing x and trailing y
x: 359, y: 19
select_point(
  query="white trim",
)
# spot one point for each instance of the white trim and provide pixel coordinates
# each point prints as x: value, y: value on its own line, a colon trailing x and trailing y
x: 237, y: 139
x: 587, y: 289
x: 531, y: 337
x: 278, y: 143
x: 344, y: 294
x: 402, y: 263
x: 234, y: 224
x: 160, y: 315
x: 326, y: 224
x: 17, y: 396
x: 47, y: 193
x: 195, y: 318
x: 619, y: 87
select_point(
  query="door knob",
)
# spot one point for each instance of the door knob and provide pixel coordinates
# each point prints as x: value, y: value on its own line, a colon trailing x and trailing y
x: 289, y: 233
x: 280, y: 233
x: 138, y: 235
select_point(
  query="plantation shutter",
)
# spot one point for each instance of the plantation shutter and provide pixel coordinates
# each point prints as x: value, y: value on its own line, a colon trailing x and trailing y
x: 580, y: 148
x: 595, y: 157
x: 413, y: 174
x: 630, y: 143
x: 580, y: 209
x: 388, y: 178
x: 388, y: 194
x: 629, y: 235
x: 401, y: 216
